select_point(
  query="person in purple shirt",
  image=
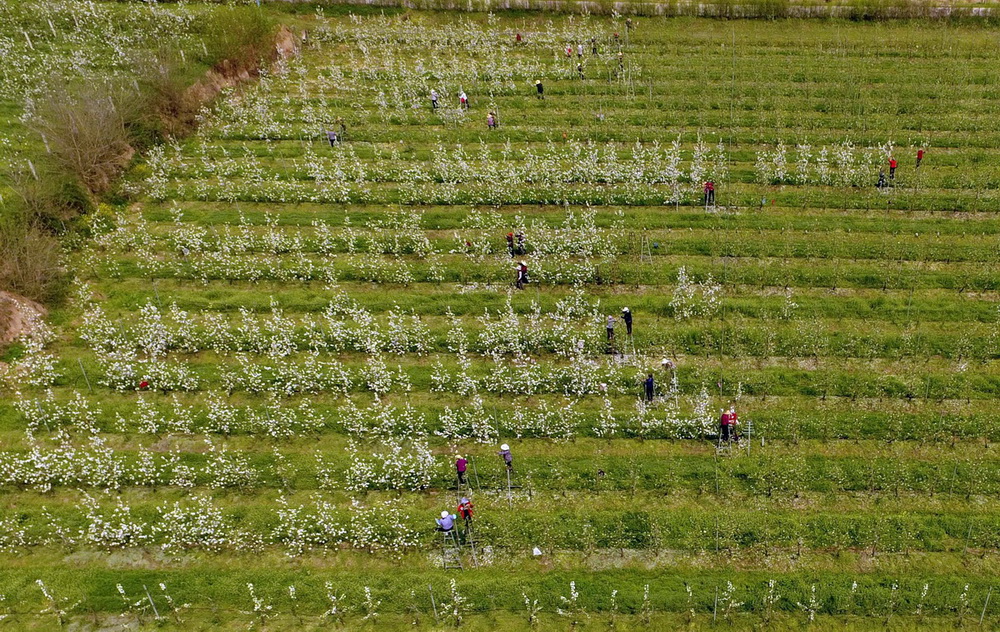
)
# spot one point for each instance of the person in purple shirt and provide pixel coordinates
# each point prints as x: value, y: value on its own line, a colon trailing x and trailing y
x: 507, y: 457
x: 446, y: 522
x: 460, y: 466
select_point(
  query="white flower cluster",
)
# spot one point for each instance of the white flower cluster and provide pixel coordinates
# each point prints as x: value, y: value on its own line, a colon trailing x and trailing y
x: 843, y: 165
x: 568, y: 171
x: 693, y: 299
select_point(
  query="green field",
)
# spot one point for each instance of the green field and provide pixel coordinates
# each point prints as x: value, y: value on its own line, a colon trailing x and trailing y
x: 247, y: 413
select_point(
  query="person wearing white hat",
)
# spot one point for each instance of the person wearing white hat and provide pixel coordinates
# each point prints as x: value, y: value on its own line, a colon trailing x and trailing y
x: 627, y: 319
x: 446, y: 522
x: 507, y: 457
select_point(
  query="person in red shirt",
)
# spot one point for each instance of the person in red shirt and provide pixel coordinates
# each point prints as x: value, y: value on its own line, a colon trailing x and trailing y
x: 518, y: 38
x: 710, y: 193
x: 465, y: 511
x: 892, y: 168
x: 726, y: 424
x: 522, y: 275
x: 920, y: 157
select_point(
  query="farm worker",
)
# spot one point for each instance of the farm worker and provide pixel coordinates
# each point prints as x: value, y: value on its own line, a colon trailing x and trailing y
x: 518, y: 38
x: 628, y: 24
x: 507, y: 457
x: 520, y: 243
x: 446, y: 522
x: 540, y: 89
x: 579, y: 50
x: 627, y: 318
x: 611, y: 328
x: 666, y: 365
x: 920, y: 157
x: 621, y: 60
x: 465, y: 510
x: 725, y: 424
x: 709, y: 193
x: 593, y: 45
x: 143, y: 385
x: 332, y: 137
x: 892, y: 168
x: 569, y: 50
x: 522, y: 275
x: 650, y: 386
x: 463, y: 100
x: 434, y: 99
x: 461, y: 464
x: 510, y: 244
x: 881, y: 180
x: 733, y: 420
x: 579, y: 70
x: 491, y: 121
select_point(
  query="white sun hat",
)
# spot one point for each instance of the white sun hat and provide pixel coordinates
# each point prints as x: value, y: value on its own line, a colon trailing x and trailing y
x: 444, y: 514
x: 505, y: 447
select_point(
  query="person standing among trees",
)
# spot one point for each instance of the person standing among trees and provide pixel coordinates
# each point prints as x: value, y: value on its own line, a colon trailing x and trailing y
x: 491, y: 121
x: 920, y: 157
x: 463, y: 100
x: 611, y: 328
x: 522, y: 275
x: 510, y: 244
x: 710, y: 193
x: 892, y: 168
x: 434, y: 99
x: 540, y: 89
x: 593, y: 46
x: 649, y: 386
x: 579, y: 50
x: 579, y: 69
x: 627, y: 318
x: 461, y: 465
x: 508, y: 458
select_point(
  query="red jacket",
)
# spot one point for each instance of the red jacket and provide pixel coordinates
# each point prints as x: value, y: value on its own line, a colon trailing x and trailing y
x: 892, y: 163
x: 727, y: 419
x: 920, y: 154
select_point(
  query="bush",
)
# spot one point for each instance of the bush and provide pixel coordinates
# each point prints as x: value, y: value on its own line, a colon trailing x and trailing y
x: 239, y: 36
x: 29, y: 260
x: 85, y: 127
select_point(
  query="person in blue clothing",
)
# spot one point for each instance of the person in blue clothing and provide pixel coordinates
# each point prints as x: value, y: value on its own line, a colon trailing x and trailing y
x: 650, y: 387
x: 446, y: 522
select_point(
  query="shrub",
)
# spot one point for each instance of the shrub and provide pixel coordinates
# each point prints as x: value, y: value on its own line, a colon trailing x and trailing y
x: 29, y: 260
